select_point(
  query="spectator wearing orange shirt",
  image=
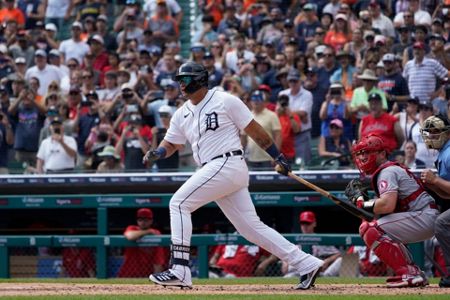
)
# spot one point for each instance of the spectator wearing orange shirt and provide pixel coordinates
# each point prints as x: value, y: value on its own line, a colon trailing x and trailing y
x: 340, y: 33
x: 290, y: 126
x: 10, y: 12
x: 141, y: 261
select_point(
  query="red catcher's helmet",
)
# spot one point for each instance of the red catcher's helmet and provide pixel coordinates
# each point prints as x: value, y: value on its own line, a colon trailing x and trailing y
x: 365, y: 153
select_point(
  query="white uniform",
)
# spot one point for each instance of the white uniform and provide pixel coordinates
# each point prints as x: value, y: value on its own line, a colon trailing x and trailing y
x: 212, y: 128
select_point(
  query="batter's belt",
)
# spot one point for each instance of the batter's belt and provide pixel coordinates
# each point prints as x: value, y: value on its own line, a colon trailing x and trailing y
x: 228, y: 154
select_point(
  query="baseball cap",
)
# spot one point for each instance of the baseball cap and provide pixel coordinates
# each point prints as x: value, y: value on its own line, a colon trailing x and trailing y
x: 374, y: 96
x: 56, y: 120
x: 368, y: 33
x: 320, y: 49
x: 168, y: 82
x: 92, y: 94
x: 341, y: 17
x: 54, y: 52
x: 196, y: 47
x: 3, y: 48
x: 74, y: 88
x: 265, y: 87
x: 98, y: 38
x: 437, y: 36
x: 388, y: 57
x: 126, y: 86
x: 102, y: 18
x: 307, y: 217
x: 144, y: 213
x: 77, y: 24
x: 312, y: 70
x: 414, y: 100
x: 40, y: 52
x: 308, y: 7
x: 208, y: 55
x: 336, y: 85
x: 51, y: 27
x: 419, y: 45
x: 20, y: 60
x: 380, y: 39
x: 165, y: 109
x: 293, y: 74
x: 337, y: 122
x: 257, y: 96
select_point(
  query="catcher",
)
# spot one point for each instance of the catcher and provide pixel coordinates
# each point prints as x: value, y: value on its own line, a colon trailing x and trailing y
x: 406, y: 212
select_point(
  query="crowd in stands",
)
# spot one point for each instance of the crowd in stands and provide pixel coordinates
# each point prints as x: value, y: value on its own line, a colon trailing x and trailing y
x: 88, y: 85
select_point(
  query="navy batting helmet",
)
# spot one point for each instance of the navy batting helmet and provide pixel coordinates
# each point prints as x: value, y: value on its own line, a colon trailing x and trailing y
x: 193, y: 75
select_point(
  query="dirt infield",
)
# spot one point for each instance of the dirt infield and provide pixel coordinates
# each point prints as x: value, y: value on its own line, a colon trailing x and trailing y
x: 42, y: 289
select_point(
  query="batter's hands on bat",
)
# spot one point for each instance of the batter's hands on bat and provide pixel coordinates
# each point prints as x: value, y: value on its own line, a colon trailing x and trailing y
x: 151, y: 156
x: 355, y: 191
x: 428, y: 176
x: 282, y: 165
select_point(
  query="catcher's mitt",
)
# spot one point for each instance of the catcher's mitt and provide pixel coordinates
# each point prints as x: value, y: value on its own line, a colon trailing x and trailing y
x: 355, y: 189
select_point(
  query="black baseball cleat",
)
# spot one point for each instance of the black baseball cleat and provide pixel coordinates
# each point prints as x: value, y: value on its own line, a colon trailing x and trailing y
x: 307, y: 280
x: 444, y: 282
x: 166, y: 278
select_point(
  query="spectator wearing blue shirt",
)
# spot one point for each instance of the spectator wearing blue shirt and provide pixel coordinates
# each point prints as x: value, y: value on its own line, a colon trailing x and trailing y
x: 28, y: 118
x: 6, y: 139
x: 215, y: 76
x: 393, y: 84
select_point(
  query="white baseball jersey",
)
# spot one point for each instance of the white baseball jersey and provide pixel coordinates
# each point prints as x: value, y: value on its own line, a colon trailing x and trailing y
x: 212, y: 126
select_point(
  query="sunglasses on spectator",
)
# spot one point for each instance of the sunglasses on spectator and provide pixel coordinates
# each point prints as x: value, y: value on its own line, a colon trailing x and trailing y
x: 320, y: 32
x: 164, y: 115
x: 74, y: 93
x: 71, y: 66
x: 328, y: 55
x: 53, y: 86
x: 143, y: 219
x: 334, y: 127
x: 87, y: 77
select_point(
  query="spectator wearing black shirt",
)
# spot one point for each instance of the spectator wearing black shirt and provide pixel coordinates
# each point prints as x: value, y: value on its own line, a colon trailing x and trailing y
x: 318, y: 91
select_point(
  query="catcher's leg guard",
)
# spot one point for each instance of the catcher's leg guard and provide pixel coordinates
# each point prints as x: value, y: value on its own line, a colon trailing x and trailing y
x: 179, y: 273
x: 394, y: 254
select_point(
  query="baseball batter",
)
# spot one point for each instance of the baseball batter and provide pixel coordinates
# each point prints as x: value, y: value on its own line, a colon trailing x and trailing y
x: 211, y: 121
x: 408, y: 211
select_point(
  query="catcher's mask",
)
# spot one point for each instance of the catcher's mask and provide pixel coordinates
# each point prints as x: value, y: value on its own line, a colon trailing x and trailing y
x: 365, y: 153
x: 434, y: 131
x: 193, y: 75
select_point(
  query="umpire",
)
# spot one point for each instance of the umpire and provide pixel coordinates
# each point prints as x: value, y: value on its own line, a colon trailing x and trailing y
x: 436, y: 134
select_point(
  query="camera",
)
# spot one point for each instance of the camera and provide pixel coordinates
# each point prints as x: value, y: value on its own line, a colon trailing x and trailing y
x: 127, y: 95
x: 86, y: 102
x: 1, y: 117
x: 335, y: 92
x: 132, y: 108
x: 57, y: 130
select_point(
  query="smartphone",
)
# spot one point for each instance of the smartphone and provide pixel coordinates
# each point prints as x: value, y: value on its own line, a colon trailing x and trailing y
x: 132, y: 108
x: 57, y: 130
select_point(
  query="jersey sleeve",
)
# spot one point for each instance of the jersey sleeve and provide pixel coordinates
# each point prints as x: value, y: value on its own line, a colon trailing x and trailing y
x: 238, y: 112
x: 175, y: 134
x: 387, y: 181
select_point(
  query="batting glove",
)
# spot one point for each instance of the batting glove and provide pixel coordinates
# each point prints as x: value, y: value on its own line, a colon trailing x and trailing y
x: 154, y: 155
x: 283, y: 165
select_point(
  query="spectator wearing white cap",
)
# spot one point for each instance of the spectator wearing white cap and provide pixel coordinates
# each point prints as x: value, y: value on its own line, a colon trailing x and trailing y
x: 154, y: 100
x: 22, y: 47
x: 50, y: 35
x: 131, y: 29
x: 74, y: 47
x: 96, y: 44
x: 332, y: 7
x: 21, y: 65
x: 109, y: 38
x: 393, y: 84
x: 44, y: 72
x: 307, y: 27
x: 58, y: 12
x: 54, y: 59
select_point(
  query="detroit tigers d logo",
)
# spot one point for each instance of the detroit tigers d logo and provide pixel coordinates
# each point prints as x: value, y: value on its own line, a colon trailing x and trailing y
x: 212, y: 122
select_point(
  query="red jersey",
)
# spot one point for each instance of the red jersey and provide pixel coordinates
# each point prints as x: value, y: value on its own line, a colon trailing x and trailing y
x: 382, y: 126
x: 239, y: 260
x: 139, y: 261
x: 288, y: 135
x: 77, y: 262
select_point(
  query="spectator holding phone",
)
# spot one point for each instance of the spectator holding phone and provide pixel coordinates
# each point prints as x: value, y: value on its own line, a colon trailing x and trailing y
x: 134, y: 141
x: 335, y: 107
x: 290, y: 126
x: 58, y: 152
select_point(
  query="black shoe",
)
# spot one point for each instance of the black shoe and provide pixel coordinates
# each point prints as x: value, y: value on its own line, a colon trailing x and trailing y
x: 166, y: 278
x: 444, y: 282
x: 307, y: 280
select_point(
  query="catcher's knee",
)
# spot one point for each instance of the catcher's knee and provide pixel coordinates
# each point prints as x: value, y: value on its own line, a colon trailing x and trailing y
x: 370, y: 233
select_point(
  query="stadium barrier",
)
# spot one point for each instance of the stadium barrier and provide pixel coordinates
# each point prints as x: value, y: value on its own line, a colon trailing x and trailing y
x: 16, y: 250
